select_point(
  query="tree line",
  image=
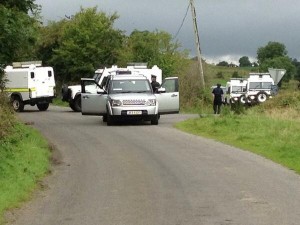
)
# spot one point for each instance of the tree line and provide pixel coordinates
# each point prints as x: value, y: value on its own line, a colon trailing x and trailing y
x: 77, y: 45
x: 273, y: 55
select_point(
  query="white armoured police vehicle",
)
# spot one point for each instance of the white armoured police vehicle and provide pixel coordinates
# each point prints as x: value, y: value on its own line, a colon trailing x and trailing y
x: 28, y: 83
x: 257, y: 88
x: 72, y: 94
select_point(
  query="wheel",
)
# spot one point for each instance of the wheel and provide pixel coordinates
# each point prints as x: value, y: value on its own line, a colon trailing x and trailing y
x: 154, y: 120
x: 243, y: 99
x: 77, y: 103
x: 42, y: 106
x: 109, y: 120
x: 64, y: 93
x: 72, y: 106
x: 261, y: 97
x: 104, y: 118
x: 17, y: 104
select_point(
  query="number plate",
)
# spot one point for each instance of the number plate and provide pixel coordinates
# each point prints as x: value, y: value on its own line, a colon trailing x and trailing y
x: 134, y: 112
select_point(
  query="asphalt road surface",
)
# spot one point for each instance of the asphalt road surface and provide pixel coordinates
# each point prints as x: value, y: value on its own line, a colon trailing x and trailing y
x: 138, y: 174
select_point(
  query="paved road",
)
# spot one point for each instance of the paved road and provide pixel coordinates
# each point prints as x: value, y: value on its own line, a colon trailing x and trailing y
x: 138, y: 174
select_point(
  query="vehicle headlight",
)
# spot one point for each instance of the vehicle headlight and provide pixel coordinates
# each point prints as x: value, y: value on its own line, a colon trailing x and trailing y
x: 151, y: 102
x: 115, y: 102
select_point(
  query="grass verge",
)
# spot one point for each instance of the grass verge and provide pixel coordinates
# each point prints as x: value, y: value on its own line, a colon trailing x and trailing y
x: 59, y: 102
x: 24, y: 160
x: 272, y: 138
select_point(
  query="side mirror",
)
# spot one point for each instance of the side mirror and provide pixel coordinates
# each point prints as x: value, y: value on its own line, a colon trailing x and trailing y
x: 161, y: 90
x: 101, y: 91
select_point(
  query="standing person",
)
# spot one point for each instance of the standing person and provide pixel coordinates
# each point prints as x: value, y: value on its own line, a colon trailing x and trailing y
x: 155, y: 85
x: 218, y: 96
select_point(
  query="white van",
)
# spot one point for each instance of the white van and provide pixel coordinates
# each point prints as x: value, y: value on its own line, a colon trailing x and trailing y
x: 28, y: 83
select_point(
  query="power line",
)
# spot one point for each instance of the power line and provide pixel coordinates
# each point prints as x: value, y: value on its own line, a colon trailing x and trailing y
x: 182, y: 21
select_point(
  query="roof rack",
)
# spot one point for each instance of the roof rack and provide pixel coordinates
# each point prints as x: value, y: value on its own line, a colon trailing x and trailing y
x: 26, y: 64
x: 138, y: 65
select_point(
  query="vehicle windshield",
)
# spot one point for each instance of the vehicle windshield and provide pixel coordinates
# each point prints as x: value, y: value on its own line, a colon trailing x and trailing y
x: 129, y: 86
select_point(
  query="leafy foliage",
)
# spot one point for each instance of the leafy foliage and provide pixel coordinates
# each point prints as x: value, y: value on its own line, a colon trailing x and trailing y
x: 235, y: 74
x: 20, y: 5
x: 156, y: 48
x: 245, y: 62
x: 223, y: 63
x: 18, y: 35
x: 271, y: 51
x: 87, y: 41
x: 280, y: 62
x: 274, y: 55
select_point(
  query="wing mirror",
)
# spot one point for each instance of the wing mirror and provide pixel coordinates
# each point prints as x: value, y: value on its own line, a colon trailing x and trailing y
x: 161, y: 90
x: 101, y: 91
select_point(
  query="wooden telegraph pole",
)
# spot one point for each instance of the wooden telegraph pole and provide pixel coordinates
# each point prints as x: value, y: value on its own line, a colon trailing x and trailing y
x: 197, y: 43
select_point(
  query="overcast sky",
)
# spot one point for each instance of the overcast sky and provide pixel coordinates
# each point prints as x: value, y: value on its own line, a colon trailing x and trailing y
x: 228, y: 29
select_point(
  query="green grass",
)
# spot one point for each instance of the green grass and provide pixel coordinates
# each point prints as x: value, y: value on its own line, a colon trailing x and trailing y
x: 274, y: 139
x: 24, y: 160
x: 57, y: 101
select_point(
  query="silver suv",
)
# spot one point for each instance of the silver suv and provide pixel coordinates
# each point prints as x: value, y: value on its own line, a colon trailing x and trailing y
x: 130, y: 97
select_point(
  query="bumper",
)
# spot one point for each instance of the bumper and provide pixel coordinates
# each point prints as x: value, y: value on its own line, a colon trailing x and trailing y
x: 146, y: 111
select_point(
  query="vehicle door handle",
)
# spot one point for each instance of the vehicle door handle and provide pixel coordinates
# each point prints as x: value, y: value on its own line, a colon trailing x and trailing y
x: 173, y: 95
x: 85, y: 97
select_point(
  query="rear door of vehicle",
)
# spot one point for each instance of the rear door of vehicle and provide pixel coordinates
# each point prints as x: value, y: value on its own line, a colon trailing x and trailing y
x: 41, y: 81
x: 92, y: 103
x: 169, y: 100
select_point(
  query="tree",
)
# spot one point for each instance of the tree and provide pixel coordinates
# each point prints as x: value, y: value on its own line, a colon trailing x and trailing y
x: 270, y: 51
x: 20, y: 5
x: 282, y: 62
x: 88, y: 41
x: 297, y: 65
x: 223, y: 63
x: 245, y: 62
x: 274, y: 55
x: 155, y: 48
x: 18, y: 35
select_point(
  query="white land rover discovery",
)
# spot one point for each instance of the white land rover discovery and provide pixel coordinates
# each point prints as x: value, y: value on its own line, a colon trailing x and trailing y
x: 130, y: 97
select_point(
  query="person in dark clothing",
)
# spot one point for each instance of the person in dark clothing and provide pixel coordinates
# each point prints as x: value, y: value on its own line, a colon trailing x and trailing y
x: 218, y: 97
x: 155, y: 85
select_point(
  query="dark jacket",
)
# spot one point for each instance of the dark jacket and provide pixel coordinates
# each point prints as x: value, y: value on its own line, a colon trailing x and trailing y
x: 218, y: 92
x: 155, y: 85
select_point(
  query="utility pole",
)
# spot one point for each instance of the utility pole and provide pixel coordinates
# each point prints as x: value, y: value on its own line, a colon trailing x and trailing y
x: 197, y: 44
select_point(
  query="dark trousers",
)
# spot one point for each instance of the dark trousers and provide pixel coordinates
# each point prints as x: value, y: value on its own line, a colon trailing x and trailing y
x: 217, y: 107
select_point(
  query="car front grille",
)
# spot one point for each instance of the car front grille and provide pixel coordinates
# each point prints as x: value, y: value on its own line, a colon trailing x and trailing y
x: 134, y: 102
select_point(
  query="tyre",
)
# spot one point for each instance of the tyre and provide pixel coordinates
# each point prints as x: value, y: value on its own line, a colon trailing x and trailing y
x: 64, y: 93
x: 43, y: 106
x: 243, y: 99
x: 72, y: 106
x: 17, y: 104
x: 261, y: 97
x: 77, y: 103
x: 154, y: 120
x: 109, y: 120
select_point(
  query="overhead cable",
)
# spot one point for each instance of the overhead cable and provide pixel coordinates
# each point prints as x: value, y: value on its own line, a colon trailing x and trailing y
x: 182, y: 21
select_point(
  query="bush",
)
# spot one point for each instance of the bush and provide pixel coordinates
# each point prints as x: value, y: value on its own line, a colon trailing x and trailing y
x: 220, y: 75
x: 235, y: 74
x: 7, y: 117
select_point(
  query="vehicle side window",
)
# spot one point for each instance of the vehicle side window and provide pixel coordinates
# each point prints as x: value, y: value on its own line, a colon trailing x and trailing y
x: 171, y: 85
x: 266, y: 85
